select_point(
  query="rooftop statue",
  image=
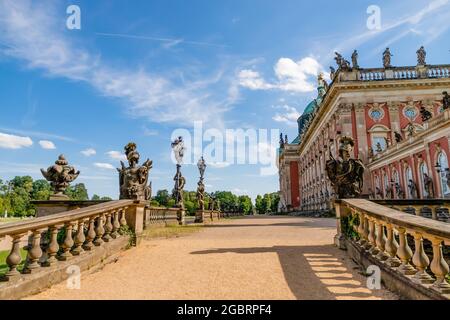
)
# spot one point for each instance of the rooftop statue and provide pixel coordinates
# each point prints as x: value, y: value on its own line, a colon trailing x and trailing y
x: 445, y: 100
x: 60, y: 175
x: 355, y: 59
x: 341, y: 62
x: 133, y: 179
x: 322, y: 85
x: 421, y: 56
x: 332, y: 73
x: 387, y: 58
x: 345, y: 174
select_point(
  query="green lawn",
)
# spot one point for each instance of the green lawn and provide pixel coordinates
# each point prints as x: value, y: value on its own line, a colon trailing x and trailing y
x: 12, y: 219
x: 170, y: 231
x: 4, y: 254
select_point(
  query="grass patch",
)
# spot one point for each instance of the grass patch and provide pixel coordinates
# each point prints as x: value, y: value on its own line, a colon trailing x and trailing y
x: 171, y: 231
x: 7, y: 220
x: 4, y: 254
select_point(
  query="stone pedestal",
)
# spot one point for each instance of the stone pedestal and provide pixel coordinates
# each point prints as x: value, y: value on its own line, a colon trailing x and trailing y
x: 199, y: 216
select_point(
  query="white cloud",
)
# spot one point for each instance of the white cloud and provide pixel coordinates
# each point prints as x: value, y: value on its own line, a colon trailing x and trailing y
x: 252, y: 80
x: 9, y: 141
x: 116, y: 155
x: 31, y: 32
x: 46, y: 144
x: 239, y: 192
x: 291, y: 76
x: 103, y: 165
x: 289, y: 116
x: 89, y: 152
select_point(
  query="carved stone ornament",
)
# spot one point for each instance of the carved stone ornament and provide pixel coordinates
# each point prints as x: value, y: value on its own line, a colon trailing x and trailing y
x: 133, y: 179
x: 345, y: 174
x: 60, y: 175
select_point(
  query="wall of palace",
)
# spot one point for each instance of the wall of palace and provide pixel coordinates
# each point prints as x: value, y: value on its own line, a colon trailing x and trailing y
x: 405, y: 156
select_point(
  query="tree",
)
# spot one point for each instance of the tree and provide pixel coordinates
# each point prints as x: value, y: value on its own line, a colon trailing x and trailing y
x: 259, y: 204
x: 77, y: 192
x: 245, y: 204
x: 41, y: 190
x: 267, y: 203
x: 162, y: 197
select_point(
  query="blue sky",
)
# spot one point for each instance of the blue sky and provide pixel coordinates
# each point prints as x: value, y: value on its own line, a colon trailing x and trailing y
x: 138, y: 70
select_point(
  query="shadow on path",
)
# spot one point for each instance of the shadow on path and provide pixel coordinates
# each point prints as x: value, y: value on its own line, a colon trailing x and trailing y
x: 311, y: 272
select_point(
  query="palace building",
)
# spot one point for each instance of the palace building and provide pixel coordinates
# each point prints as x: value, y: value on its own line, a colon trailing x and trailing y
x: 399, y: 119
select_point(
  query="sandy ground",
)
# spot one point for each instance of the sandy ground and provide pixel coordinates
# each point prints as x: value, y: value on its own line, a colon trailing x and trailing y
x: 248, y: 258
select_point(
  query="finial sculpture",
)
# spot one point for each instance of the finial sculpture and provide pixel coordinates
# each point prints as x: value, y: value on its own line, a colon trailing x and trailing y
x: 387, y: 58
x: 133, y: 179
x: 60, y: 175
x: 421, y: 56
x: 345, y: 174
x: 341, y: 62
x: 177, y: 193
x: 201, y: 187
x: 355, y: 59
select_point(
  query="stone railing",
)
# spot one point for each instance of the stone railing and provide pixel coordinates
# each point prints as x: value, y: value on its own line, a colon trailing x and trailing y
x: 59, y: 237
x: 379, y: 228
x: 395, y: 73
x: 436, y: 209
x: 160, y: 216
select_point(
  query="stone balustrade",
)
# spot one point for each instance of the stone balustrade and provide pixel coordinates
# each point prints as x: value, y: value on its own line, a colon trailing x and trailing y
x: 383, y: 234
x: 160, y: 216
x: 61, y: 236
x: 436, y: 209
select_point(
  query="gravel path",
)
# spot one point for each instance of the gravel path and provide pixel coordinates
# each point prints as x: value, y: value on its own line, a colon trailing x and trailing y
x: 248, y: 258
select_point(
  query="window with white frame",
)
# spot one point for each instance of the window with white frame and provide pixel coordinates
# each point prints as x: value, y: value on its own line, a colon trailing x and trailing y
x: 408, y: 177
x: 423, y: 172
x: 443, y: 163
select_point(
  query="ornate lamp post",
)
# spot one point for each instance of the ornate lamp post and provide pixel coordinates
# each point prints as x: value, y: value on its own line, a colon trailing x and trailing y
x: 178, y: 150
x: 199, y: 216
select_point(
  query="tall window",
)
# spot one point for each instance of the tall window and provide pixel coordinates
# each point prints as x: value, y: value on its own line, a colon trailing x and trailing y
x: 386, y: 186
x: 423, y: 171
x: 443, y: 162
x: 408, y: 176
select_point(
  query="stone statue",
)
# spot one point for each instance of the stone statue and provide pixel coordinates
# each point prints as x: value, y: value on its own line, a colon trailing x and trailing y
x: 371, y: 154
x: 447, y: 176
x: 286, y: 141
x: 341, y: 62
x: 201, y: 187
x: 398, y: 137
x: 378, y: 193
x: 399, y: 191
x: 346, y: 174
x: 421, y: 56
x: 379, y: 147
x: 425, y: 114
x: 177, y: 192
x: 429, y: 187
x: 60, y: 175
x: 322, y: 84
x: 411, y: 130
x: 355, y: 59
x: 412, y: 189
x: 387, y: 58
x: 445, y: 100
x: 332, y: 73
x: 281, y: 140
x: 133, y: 179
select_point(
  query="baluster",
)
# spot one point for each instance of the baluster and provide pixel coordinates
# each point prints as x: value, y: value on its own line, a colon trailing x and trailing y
x: 367, y: 244
x: 373, y: 250
x: 99, y: 231
x: 90, y: 236
x: 123, y: 220
x: 116, y: 225
x: 108, y: 228
x: 361, y: 241
x: 79, y: 239
x: 381, y: 242
x: 68, y: 242
x: 53, y: 246
x: 391, y: 247
x: 14, y: 258
x: 421, y: 261
x: 439, y: 267
x: 404, y: 252
x: 34, y: 253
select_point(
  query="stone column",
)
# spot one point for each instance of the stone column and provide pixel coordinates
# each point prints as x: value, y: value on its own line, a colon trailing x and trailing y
x: 135, y: 218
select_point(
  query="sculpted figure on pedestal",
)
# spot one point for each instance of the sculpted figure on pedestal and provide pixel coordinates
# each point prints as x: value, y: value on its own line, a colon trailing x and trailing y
x: 345, y: 174
x: 445, y: 100
x: 429, y: 187
x: 425, y: 114
x: 387, y: 58
x: 60, y: 175
x: 412, y: 189
x: 133, y: 179
x: 421, y: 56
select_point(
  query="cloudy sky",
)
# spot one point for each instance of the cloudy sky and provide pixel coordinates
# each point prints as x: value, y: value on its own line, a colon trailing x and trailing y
x: 138, y: 70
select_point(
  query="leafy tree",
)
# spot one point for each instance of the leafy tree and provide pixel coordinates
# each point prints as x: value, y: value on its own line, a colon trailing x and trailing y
x: 190, y: 207
x: 267, y: 203
x: 41, y: 190
x: 259, y: 204
x: 95, y: 197
x: 245, y: 204
x: 162, y: 197
x: 77, y: 192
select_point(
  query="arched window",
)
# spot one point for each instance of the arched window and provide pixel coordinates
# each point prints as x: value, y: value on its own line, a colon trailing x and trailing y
x: 423, y: 171
x: 443, y: 163
x: 408, y: 177
x: 379, y: 135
